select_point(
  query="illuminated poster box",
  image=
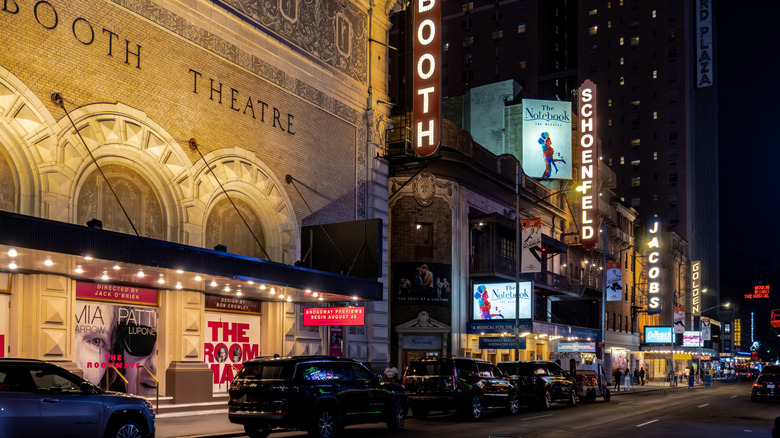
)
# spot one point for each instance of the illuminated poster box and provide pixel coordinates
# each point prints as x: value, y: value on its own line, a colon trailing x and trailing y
x: 658, y: 335
x: 497, y: 301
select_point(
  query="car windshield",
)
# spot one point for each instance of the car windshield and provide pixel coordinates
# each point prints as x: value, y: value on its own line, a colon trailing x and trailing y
x: 430, y: 368
x: 267, y: 370
x: 516, y: 369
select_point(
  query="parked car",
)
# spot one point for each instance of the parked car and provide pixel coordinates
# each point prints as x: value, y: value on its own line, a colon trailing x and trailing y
x: 541, y: 383
x: 321, y: 394
x: 40, y: 399
x: 464, y: 384
x: 767, y: 385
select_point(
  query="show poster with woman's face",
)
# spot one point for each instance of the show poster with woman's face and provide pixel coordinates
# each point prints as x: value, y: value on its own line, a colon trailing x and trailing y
x: 113, y: 339
x: 230, y: 340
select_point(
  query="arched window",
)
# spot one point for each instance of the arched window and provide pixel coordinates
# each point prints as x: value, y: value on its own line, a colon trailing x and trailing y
x: 95, y: 201
x: 225, y: 227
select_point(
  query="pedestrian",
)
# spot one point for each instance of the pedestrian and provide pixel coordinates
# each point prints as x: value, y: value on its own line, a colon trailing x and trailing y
x: 642, y: 376
x: 636, y: 376
x: 618, y: 378
x: 628, y: 378
x: 391, y: 372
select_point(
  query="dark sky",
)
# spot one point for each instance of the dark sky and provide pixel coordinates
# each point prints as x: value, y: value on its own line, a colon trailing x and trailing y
x: 749, y: 98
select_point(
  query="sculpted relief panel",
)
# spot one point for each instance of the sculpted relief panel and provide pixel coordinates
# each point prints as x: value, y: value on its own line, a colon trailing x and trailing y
x: 334, y: 32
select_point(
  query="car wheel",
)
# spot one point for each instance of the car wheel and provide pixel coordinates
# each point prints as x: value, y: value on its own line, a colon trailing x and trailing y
x: 256, y: 432
x: 546, y: 400
x: 397, y: 416
x: 572, y: 397
x: 607, y: 395
x: 325, y: 424
x: 128, y: 429
x: 476, y: 407
x: 420, y: 413
x: 514, y: 403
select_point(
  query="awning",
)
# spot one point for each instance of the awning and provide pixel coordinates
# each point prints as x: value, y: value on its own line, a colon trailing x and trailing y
x: 88, y: 254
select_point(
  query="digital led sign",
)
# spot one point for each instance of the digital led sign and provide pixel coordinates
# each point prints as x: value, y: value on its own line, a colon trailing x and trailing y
x: 759, y: 291
x: 334, y: 316
x: 497, y: 301
x: 658, y: 335
x: 547, y: 139
x: 692, y: 339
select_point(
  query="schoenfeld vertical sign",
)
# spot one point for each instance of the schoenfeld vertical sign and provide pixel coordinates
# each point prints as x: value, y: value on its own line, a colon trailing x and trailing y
x: 427, y: 77
x: 589, y: 168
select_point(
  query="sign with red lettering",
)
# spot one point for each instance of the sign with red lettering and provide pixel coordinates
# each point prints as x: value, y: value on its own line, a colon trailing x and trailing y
x: 116, y: 293
x: 231, y: 304
x: 334, y: 316
x: 759, y: 291
x: 230, y: 340
x: 426, y: 132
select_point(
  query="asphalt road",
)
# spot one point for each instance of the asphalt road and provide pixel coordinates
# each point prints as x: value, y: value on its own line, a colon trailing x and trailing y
x: 724, y: 410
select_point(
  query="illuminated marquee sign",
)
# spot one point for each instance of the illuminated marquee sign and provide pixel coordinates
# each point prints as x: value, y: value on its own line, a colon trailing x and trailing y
x: 759, y: 291
x: 334, y: 316
x: 588, y: 164
x: 692, y: 339
x: 427, y: 76
x: 654, y: 266
x: 695, y: 288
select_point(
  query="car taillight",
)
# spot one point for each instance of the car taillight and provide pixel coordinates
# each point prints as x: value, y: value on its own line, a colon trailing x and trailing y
x: 758, y: 385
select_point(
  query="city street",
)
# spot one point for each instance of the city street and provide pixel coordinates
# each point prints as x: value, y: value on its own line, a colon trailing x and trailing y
x: 724, y: 410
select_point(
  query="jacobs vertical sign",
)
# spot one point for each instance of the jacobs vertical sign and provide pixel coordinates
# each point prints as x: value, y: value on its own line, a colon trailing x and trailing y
x: 588, y: 165
x: 654, y: 266
x: 427, y: 77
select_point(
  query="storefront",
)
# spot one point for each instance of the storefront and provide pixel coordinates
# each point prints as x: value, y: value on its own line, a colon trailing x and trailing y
x: 169, y: 134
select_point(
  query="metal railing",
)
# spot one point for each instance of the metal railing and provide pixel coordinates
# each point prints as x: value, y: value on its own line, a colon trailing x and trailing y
x: 156, y: 386
x: 108, y: 372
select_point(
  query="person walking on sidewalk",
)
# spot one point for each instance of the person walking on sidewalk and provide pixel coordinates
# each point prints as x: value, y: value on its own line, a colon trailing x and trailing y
x: 628, y: 379
x: 642, y: 376
x: 618, y: 378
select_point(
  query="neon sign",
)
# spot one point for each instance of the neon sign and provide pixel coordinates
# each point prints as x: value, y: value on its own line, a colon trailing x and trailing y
x: 695, y: 288
x: 427, y: 77
x: 588, y: 164
x: 654, y: 266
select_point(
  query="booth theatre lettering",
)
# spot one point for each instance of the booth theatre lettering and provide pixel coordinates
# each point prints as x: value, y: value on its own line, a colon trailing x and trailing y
x: 242, y: 103
x: 47, y: 16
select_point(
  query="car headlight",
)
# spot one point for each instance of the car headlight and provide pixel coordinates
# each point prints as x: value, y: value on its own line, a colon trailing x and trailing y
x: 148, y: 404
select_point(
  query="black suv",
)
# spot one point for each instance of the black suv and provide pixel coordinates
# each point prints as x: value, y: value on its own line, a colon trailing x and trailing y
x: 465, y: 384
x: 40, y: 399
x: 541, y: 383
x: 318, y: 393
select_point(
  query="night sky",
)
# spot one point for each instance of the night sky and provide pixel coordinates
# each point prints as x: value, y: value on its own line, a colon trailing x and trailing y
x: 749, y: 95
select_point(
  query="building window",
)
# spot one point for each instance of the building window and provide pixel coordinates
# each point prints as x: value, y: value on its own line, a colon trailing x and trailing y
x: 727, y: 328
x: 655, y: 197
x: 672, y: 199
x: 727, y: 345
x: 593, y: 30
x: 614, y: 317
x: 672, y: 96
x: 672, y: 74
x: 446, y: 47
x: 609, y: 103
x: 654, y: 14
x: 672, y: 116
x: 609, y: 24
x: 621, y: 41
x: 622, y: 80
x: 673, y: 135
x: 468, y: 41
x: 673, y: 178
x: 635, y: 142
x: 655, y: 115
x: 655, y: 74
x: 423, y: 240
x: 622, y: 160
x: 635, y: 161
x: 521, y: 28
x: 522, y: 65
x: 634, y: 41
x: 622, y: 60
x: 674, y: 218
x: 468, y: 6
x: 655, y: 156
x: 635, y: 181
x: 635, y: 202
x: 673, y: 157
x: 593, y: 67
x: 593, y: 11
x: 467, y: 58
x: 609, y: 122
x: 497, y: 35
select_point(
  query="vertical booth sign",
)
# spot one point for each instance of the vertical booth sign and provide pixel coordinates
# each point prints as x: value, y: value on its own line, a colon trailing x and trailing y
x: 427, y: 77
x: 589, y: 168
x: 654, y: 266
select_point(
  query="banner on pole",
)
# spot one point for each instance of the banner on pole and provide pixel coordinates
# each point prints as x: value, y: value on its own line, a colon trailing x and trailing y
x: 614, y: 281
x: 532, y: 244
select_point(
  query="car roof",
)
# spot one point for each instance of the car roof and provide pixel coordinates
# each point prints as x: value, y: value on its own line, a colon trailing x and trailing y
x: 297, y: 359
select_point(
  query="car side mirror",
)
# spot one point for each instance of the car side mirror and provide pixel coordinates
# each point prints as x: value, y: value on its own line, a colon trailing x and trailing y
x: 87, y: 388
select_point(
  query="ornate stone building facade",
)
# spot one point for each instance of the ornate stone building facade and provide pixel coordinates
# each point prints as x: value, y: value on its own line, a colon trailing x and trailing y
x: 199, y: 124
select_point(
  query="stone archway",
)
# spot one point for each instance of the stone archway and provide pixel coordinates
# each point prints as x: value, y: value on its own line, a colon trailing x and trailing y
x: 248, y: 179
